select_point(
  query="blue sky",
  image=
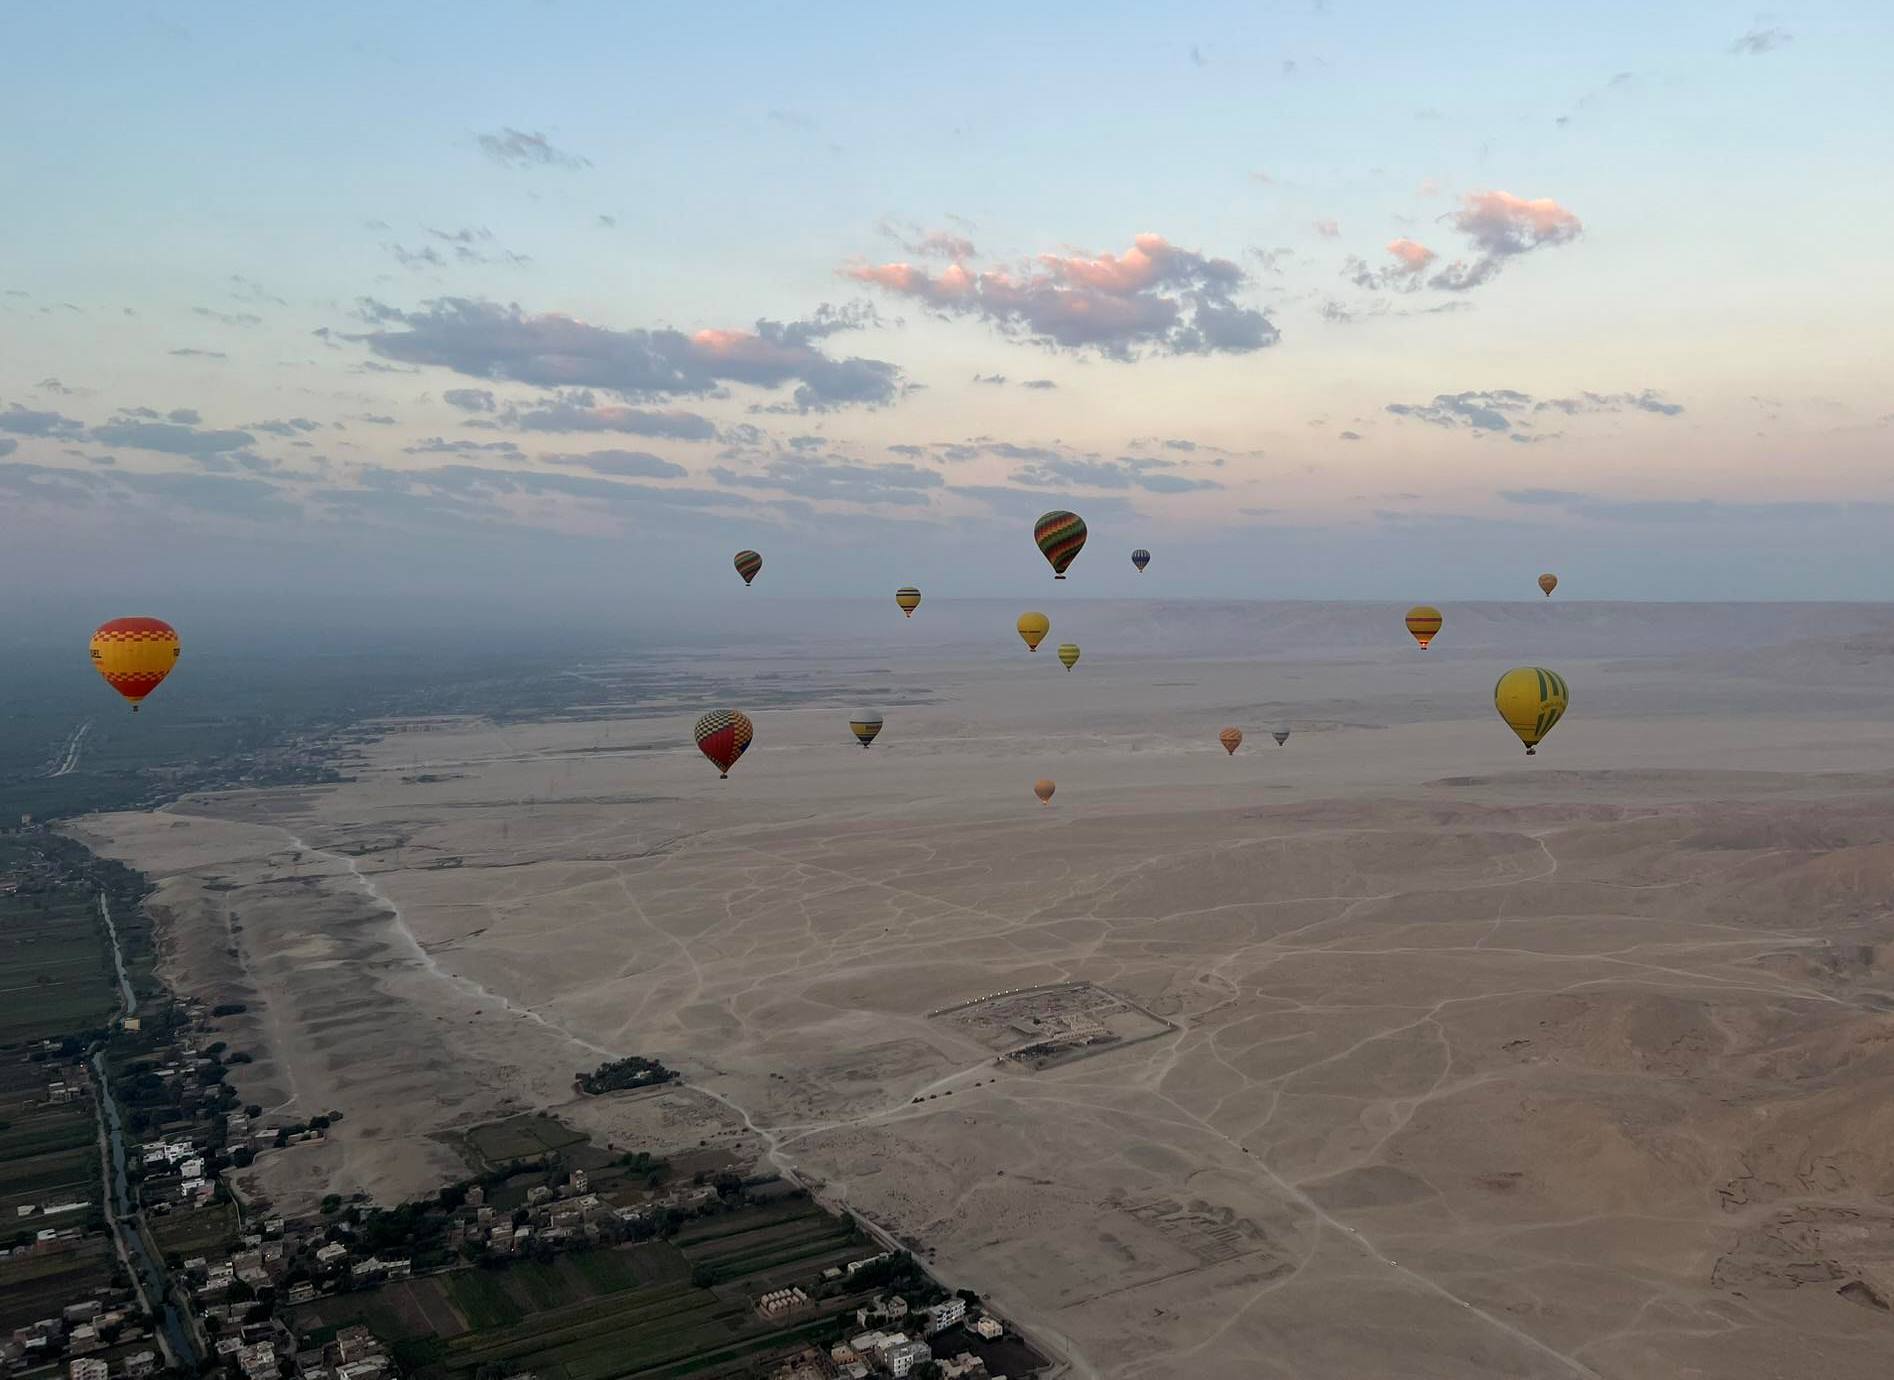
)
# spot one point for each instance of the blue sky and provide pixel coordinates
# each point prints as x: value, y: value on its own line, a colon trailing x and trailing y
x: 1426, y: 299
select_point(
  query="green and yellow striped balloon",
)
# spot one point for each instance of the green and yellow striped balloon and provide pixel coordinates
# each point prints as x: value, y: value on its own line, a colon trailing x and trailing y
x: 1531, y: 700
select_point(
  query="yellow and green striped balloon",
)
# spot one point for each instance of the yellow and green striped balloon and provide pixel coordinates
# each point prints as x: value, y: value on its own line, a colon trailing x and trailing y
x: 1069, y: 654
x: 1531, y: 700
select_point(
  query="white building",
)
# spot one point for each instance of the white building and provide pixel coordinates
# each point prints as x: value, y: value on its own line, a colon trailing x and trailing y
x: 88, y: 1368
x: 944, y: 1315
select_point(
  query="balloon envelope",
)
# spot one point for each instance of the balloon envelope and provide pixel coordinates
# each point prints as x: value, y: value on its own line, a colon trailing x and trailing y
x: 1141, y: 558
x: 1423, y: 620
x: 1548, y: 582
x: 1033, y: 628
x: 1232, y: 739
x: 1281, y: 736
x: 909, y: 598
x: 135, y: 655
x: 1531, y: 700
x: 748, y: 563
x: 1061, y: 536
x: 1043, y: 788
x: 865, y: 724
x: 1069, y: 654
x: 723, y: 735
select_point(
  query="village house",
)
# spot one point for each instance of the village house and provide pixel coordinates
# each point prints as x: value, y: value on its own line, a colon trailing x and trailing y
x: 903, y: 1358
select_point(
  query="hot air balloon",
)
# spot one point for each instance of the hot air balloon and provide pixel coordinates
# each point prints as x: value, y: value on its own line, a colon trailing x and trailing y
x: 1423, y: 620
x: 1281, y: 736
x: 1043, y: 788
x: 722, y: 736
x: 865, y: 724
x: 909, y: 598
x: 1232, y: 739
x: 1032, y: 628
x: 1531, y: 700
x: 1141, y: 558
x: 748, y: 563
x: 1069, y: 654
x: 135, y: 655
x: 1548, y: 582
x: 1061, y: 536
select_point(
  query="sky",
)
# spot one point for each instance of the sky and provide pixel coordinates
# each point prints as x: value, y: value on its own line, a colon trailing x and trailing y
x: 555, y: 306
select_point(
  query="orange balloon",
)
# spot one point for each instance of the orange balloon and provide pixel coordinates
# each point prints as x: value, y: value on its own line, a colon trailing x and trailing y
x: 1232, y: 739
x: 1043, y: 788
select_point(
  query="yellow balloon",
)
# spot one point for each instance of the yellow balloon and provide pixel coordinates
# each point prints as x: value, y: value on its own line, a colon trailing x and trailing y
x: 1069, y: 654
x: 1033, y: 628
x: 1531, y: 700
x: 909, y: 598
x: 1423, y: 623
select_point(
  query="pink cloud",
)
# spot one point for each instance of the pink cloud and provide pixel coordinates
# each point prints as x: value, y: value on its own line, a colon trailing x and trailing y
x: 1414, y: 257
x: 1502, y: 226
x: 1502, y: 222
x: 1155, y: 294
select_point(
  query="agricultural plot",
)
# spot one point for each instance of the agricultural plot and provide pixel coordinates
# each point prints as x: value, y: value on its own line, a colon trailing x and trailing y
x: 641, y: 1311
x: 517, y: 1138
x: 35, y: 1286
x: 192, y: 1232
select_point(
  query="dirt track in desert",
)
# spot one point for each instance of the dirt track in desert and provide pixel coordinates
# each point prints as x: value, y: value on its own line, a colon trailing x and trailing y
x: 1475, y: 1064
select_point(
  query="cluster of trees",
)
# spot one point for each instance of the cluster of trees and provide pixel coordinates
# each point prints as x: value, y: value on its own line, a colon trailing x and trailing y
x: 616, y: 1075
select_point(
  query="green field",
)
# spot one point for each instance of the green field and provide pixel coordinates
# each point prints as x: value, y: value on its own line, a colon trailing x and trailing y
x: 55, y: 967
x: 610, y: 1313
x: 57, y: 983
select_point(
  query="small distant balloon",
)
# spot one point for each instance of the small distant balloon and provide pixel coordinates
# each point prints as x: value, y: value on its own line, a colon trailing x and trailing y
x: 1423, y: 620
x: 1141, y: 558
x: 1061, y: 536
x: 1281, y: 736
x: 1232, y: 739
x: 1033, y: 628
x: 748, y: 563
x: 1531, y: 700
x: 909, y: 598
x: 723, y: 735
x: 1548, y: 582
x: 1043, y: 788
x: 1069, y: 654
x: 135, y: 655
x: 865, y: 724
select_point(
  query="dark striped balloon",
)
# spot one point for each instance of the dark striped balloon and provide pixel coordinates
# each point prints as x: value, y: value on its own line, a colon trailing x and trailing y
x: 1141, y: 558
x: 748, y: 563
x: 1061, y: 536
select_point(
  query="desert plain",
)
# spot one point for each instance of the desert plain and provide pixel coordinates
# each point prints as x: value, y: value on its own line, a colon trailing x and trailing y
x: 1448, y: 1061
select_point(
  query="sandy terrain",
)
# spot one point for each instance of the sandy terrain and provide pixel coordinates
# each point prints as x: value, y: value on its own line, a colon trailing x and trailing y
x: 1483, y: 1065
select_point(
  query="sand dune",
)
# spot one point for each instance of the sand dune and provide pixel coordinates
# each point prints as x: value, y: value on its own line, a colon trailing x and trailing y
x: 1481, y: 1065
